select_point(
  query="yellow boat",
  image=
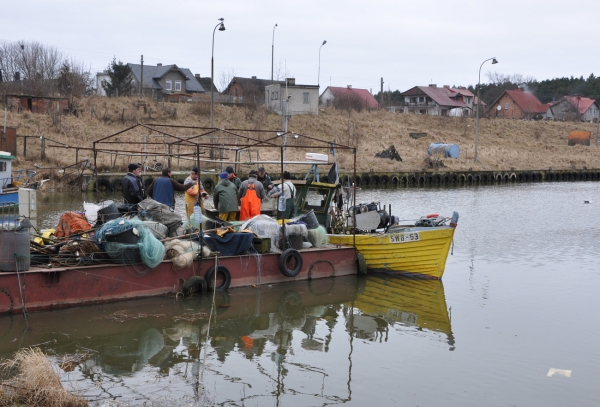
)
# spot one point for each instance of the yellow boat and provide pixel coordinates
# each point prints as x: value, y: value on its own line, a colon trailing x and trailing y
x: 411, y: 250
x: 402, y: 301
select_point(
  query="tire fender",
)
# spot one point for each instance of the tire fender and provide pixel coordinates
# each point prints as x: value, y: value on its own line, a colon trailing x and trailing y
x: 285, y: 257
x: 191, y: 284
x: 210, y: 277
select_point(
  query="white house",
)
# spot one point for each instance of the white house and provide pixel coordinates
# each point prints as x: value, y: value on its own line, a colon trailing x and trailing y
x: 291, y: 98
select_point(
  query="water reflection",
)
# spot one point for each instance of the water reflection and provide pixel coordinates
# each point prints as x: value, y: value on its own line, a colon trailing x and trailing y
x: 126, y: 348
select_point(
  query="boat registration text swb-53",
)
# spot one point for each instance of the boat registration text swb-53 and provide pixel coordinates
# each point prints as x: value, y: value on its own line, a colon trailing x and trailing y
x: 404, y: 237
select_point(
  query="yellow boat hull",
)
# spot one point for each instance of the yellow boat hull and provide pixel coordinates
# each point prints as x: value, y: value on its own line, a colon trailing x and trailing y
x: 420, y: 251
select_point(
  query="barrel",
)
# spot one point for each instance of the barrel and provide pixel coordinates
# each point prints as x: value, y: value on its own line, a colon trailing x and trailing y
x: 448, y: 150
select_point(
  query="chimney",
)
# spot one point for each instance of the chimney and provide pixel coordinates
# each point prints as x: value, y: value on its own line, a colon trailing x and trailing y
x: 349, y: 86
x: 159, y: 64
x: 197, y: 76
x: 254, y: 77
x: 432, y: 85
x: 447, y: 86
x: 291, y: 81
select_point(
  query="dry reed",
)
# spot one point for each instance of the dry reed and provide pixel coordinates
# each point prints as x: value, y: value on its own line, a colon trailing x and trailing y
x: 29, y: 379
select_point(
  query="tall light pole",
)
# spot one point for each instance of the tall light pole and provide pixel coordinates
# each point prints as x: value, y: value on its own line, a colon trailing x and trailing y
x: 319, y: 77
x: 273, y: 50
x: 494, y: 61
x: 221, y: 27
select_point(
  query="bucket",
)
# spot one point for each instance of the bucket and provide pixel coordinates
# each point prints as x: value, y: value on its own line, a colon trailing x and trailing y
x: 14, y: 250
x: 295, y: 235
x: 448, y: 150
x: 310, y: 219
x: 108, y: 211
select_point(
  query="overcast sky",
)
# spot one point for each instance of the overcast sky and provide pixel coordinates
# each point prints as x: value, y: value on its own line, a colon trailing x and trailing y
x: 408, y: 43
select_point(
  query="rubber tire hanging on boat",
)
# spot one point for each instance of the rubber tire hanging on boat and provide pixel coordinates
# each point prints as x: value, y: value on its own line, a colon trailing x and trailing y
x: 117, y: 185
x: 210, y: 276
x: 283, y: 261
x: 103, y: 182
x: 361, y: 264
x: 191, y: 283
x: 208, y: 183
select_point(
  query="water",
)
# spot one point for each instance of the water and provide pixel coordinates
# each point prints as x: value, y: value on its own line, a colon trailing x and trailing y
x: 517, y: 299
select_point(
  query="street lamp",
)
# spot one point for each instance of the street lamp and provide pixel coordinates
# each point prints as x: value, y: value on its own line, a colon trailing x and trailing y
x: 494, y: 61
x: 221, y: 27
x: 273, y: 50
x: 319, y: 77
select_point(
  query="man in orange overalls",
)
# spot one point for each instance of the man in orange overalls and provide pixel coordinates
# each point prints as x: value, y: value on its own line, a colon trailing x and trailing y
x: 251, y: 194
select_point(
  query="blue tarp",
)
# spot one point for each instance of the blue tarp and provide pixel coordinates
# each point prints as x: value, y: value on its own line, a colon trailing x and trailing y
x: 230, y: 244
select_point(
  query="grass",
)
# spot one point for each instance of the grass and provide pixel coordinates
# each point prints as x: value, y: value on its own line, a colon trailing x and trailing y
x: 502, y: 143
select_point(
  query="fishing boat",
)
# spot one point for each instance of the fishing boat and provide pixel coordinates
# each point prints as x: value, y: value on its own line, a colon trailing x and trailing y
x: 8, y: 191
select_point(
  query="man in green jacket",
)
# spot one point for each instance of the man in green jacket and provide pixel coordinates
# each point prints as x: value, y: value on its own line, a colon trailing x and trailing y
x: 225, y: 198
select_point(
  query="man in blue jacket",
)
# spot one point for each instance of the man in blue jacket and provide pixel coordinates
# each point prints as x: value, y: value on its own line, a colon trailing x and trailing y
x: 133, y: 187
x: 163, y: 188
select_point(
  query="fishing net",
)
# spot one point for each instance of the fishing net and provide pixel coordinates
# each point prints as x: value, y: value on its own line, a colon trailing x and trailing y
x: 318, y: 237
x: 265, y: 227
x: 149, y: 209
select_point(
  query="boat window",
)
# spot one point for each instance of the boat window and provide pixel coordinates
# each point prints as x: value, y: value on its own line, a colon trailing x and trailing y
x: 316, y: 199
x: 2, y: 166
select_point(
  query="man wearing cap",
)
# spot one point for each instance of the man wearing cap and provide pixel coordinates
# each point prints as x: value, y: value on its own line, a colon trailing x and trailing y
x: 225, y: 198
x: 233, y: 178
x: 163, y: 188
x: 191, y: 194
x: 251, y: 193
x: 132, y: 186
x: 264, y: 178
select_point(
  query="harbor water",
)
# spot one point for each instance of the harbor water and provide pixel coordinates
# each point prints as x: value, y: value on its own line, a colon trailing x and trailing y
x: 511, y: 324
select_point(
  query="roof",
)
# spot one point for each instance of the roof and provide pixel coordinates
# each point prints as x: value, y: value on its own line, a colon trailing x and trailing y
x: 525, y: 100
x: 253, y: 83
x: 153, y: 73
x: 583, y: 103
x: 442, y: 96
x: 363, y: 94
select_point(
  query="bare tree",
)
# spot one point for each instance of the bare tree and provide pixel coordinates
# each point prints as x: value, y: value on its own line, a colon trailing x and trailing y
x: 74, y: 80
x: 281, y: 72
x: 225, y: 79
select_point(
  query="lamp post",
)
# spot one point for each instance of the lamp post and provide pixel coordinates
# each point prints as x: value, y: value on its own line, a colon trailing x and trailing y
x: 273, y: 50
x: 319, y: 77
x: 221, y: 27
x: 494, y: 61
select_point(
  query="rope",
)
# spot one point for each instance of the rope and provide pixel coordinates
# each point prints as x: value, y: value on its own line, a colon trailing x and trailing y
x: 317, y: 262
x: 17, y: 258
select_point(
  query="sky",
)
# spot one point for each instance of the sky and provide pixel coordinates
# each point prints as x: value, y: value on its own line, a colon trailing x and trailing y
x: 407, y: 43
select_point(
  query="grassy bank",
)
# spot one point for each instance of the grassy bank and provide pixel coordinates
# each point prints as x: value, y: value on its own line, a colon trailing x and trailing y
x: 502, y: 144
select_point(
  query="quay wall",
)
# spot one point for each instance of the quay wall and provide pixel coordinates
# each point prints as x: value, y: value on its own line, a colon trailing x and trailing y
x: 112, y: 181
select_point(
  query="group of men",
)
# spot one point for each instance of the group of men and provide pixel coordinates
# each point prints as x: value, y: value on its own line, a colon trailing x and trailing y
x: 229, y: 192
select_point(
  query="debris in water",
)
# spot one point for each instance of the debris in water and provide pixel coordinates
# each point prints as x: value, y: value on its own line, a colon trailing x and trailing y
x: 560, y: 372
x: 122, y: 316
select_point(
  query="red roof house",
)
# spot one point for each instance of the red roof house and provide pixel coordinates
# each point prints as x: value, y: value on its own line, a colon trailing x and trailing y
x: 516, y: 104
x: 438, y: 101
x: 338, y: 96
x: 574, y: 108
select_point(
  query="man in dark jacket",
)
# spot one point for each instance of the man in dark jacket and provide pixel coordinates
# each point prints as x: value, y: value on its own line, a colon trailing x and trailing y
x: 163, y: 188
x: 132, y: 185
x: 264, y: 179
x: 233, y: 178
x: 225, y: 198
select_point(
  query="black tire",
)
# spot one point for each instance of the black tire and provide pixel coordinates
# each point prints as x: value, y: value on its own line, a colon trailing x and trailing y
x: 192, y: 284
x: 180, y: 180
x: 103, y: 184
x: 148, y: 182
x: 361, y: 264
x: 285, y: 257
x: 375, y: 180
x: 290, y: 304
x: 117, y: 185
x: 385, y: 180
x: 208, y: 183
x: 210, y: 277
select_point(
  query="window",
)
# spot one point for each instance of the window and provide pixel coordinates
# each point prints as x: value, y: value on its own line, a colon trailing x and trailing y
x: 421, y: 99
x: 168, y: 85
x: 178, y: 86
x: 2, y: 166
x: 506, y: 106
x: 276, y: 95
x: 305, y: 96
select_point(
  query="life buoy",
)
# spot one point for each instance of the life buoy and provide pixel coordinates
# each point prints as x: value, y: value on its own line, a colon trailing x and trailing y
x: 225, y: 275
x: 117, y: 185
x: 103, y: 184
x: 286, y: 257
x: 432, y: 215
x: 208, y: 183
x: 192, y: 284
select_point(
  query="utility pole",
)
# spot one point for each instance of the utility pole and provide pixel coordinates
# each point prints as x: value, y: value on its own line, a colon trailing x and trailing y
x: 381, y: 94
x: 142, y: 79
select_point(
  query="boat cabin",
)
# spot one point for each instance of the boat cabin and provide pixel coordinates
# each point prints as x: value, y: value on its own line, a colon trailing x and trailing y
x: 6, y: 170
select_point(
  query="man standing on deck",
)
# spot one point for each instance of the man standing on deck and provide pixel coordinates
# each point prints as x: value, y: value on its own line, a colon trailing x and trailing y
x: 163, y: 188
x: 265, y: 179
x: 251, y: 194
x: 133, y: 187
x: 225, y: 198
x: 191, y: 194
x: 233, y: 178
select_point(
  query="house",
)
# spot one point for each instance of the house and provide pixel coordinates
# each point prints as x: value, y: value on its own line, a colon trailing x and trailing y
x: 574, y: 108
x: 338, y: 96
x: 517, y: 104
x: 36, y: 104
x: 549, y: 114
x: 240, y: 87
x: 162, y: 80
x: 301, y: 99
x: 438, y: 101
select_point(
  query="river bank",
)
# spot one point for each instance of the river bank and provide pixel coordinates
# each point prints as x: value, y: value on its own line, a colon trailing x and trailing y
x: 503, y: 144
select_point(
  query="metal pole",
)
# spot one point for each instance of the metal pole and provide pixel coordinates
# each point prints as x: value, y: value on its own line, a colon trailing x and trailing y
x: 273, y: 50
x: 319, y: 77
x: 212, y: 69
x: 478, y: 105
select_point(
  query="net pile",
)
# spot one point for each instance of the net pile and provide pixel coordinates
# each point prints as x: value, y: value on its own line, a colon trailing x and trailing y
x: 265, y: 227
x: 317, y: 237
x: 149, y: 209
